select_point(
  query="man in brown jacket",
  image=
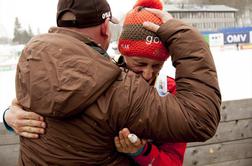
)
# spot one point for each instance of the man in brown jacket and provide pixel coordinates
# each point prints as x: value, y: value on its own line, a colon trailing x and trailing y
x: 66, y: 76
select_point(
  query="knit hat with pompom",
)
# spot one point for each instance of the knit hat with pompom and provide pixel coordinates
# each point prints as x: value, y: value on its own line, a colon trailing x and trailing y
x: 135, y: 40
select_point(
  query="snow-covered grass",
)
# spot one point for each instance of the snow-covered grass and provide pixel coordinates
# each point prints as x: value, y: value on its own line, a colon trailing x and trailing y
x: 234, y: 69
x: 235, y: 73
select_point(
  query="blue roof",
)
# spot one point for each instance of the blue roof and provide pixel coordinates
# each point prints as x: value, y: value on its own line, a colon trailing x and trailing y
x: 235, y: 30
x: 208, y: 32
x: 229, y: 30
x: 198, y: 8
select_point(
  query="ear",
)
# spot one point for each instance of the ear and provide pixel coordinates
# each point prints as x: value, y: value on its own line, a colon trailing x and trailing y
x: 105, y: 29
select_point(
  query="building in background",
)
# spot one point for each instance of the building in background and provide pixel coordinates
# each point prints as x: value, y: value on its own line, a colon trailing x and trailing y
x: 204, y: 17
x: 243, y: 15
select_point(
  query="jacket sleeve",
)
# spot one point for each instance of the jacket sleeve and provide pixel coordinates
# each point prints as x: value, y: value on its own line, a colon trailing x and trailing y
x: 171, y: 154
x: 5, y: 123
x: 193, y: 113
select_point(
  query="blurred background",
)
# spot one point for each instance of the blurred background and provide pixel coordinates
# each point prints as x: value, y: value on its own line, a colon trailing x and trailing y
x: 225, y: 24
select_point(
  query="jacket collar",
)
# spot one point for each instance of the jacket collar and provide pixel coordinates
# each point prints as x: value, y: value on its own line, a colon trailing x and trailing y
x: 85, y: 39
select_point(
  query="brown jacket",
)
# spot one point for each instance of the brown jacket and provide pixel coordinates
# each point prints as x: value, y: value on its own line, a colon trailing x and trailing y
x: 86, y: 99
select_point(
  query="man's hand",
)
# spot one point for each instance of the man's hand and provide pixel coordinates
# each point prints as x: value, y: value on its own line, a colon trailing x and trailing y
x: 124, y: 145
x: 26, y: 124
x: 164, y: 16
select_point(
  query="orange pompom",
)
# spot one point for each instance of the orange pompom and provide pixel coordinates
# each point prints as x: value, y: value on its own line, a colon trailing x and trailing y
x: 155, y: 4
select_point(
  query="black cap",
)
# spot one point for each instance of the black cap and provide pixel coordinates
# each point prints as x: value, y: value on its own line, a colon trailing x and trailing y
x: 87, y: 13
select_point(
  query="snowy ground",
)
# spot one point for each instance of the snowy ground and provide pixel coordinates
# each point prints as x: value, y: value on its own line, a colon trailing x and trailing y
x: 234, y: 72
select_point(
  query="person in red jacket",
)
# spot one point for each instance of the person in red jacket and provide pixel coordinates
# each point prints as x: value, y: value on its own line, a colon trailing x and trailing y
x: 146, y: 153
x: 138, y: 58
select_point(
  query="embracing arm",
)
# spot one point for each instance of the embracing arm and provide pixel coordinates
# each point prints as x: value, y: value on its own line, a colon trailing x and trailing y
x: 23, y: 123
x: 193, y: 113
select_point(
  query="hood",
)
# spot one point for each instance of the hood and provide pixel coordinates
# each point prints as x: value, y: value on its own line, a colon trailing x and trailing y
x: 58, y: 75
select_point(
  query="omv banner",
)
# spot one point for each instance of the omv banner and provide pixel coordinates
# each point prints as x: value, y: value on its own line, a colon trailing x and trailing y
x: 234, y: 38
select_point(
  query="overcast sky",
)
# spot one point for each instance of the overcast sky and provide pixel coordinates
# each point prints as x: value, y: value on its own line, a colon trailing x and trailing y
x: 40, y: 14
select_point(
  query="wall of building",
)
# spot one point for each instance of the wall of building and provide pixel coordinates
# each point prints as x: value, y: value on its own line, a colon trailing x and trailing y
x: 207, y: 21
x: 244, y: 15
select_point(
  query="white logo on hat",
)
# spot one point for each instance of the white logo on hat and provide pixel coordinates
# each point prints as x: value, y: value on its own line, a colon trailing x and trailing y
x: 152, y: 39
x: 125, y: 46
x: 106, y: 15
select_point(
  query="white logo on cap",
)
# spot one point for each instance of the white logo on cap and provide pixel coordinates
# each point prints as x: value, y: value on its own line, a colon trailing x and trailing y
x: 152, y: 39
x: 106, y: 15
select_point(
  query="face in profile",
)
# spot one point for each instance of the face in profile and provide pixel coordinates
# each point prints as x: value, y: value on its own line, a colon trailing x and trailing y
x: 147, y: 67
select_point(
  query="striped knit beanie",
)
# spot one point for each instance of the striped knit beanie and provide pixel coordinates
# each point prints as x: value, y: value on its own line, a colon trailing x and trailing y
x: 135, y: 40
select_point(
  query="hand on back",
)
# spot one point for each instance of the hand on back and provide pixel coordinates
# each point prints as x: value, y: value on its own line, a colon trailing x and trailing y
x: 26, y: 124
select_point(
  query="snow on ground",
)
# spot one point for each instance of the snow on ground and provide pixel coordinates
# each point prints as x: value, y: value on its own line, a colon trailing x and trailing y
x: 234, y: 69
x: 234, y: 72
x: 7, y: 89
